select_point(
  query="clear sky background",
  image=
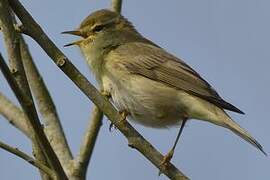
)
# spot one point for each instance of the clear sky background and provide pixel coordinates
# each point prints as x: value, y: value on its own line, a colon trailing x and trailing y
x: 226, y: 41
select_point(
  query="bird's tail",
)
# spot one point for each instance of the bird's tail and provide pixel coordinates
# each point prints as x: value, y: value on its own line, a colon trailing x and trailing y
x: 234, y: 127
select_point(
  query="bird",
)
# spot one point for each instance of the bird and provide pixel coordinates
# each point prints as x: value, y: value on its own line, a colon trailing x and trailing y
x: 147, y: 84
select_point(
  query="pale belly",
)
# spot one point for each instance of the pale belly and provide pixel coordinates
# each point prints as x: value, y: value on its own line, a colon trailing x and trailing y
x: 149, y: 103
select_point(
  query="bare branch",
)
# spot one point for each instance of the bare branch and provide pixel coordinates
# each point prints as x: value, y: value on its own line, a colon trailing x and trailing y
x: 40, y: 156
x: 29, y: 109
x: 31, y: 28
x: 52, y: 125
x: 12, y: 43
x: 21, y: 88
x: 28, y: 158
x: 52, y: 128
x: 17, y: 118
x: 117, y: 5
x: 88, y: 144
x: 14, y: 115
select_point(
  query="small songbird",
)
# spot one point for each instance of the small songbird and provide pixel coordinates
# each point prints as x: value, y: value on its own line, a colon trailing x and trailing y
x: 145, y: 82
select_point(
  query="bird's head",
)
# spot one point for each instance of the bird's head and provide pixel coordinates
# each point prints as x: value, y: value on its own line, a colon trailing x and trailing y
x: 103, y: 27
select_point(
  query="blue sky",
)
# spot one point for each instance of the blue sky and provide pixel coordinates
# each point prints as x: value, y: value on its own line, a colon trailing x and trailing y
x: 227, y: 42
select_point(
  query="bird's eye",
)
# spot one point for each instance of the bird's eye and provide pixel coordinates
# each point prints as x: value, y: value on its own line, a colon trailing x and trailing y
x: 98, y: 28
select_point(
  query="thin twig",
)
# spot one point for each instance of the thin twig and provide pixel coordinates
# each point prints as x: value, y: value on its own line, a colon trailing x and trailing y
x: 88, y: 144
x: 31, y: 28
x: 29, y: 109
x: 27, y: 158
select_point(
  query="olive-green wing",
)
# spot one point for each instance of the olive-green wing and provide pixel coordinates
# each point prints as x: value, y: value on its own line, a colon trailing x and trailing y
x: 156, y: 64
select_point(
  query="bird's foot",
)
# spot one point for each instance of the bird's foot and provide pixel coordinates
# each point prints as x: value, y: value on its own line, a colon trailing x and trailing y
x: 166, y: 160
x: 123, y: 114
x: 107, y: 95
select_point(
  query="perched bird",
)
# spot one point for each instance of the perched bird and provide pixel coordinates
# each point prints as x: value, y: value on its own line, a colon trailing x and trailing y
x: 145, y: 82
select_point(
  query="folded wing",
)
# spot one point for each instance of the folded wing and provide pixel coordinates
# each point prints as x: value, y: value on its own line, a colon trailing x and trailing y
x: 155, y: 63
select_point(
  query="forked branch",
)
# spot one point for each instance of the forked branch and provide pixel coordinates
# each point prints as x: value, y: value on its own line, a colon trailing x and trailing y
x: 28, y: 158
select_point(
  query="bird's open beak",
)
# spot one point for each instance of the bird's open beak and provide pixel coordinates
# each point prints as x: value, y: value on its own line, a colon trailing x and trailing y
x: 74, y: 43
x: 76, y: 33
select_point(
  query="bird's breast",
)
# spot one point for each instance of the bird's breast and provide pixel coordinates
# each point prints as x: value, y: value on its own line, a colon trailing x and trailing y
x: 94, y: 59
x: 149, y: 103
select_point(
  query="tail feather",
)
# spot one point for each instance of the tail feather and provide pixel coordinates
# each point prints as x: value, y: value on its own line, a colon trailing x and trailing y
x: 234, y: 127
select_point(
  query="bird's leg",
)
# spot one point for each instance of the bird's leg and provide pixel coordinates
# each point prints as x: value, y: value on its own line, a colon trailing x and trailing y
x: 107, y: 95
x: 169, y: 155
x: 123, y: 113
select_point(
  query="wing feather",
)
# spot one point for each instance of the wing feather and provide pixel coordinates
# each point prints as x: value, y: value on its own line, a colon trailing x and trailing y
x: 156, y: 64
